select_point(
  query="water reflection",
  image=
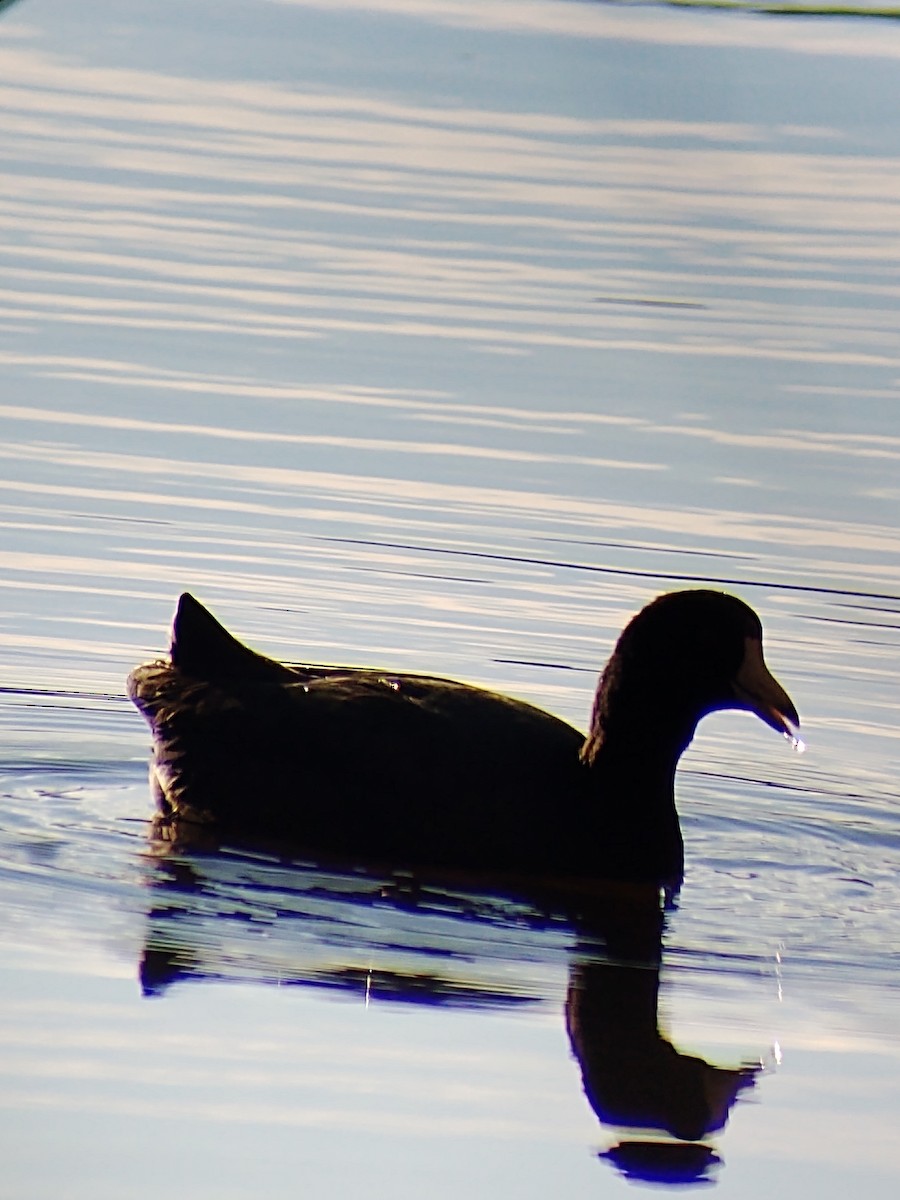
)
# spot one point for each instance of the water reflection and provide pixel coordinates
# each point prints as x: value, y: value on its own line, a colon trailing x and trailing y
x: 406, y: 939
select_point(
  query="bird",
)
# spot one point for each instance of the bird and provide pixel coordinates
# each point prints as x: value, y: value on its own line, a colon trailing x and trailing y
x: 427, y: 772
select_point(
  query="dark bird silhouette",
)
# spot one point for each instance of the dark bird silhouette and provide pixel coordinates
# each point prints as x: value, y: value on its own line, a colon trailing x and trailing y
x: 410, y: 769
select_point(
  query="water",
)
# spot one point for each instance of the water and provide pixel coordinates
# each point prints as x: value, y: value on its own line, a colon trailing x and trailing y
x: 441, y: 337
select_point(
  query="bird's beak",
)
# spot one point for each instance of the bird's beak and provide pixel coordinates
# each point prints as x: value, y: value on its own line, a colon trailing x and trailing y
x: 757, y: 690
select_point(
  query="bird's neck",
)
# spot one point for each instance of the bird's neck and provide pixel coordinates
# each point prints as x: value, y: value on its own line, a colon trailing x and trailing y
x: 642, y: 746
x: 632, y: 780
x: 630, y: 777
x: 642, y: 716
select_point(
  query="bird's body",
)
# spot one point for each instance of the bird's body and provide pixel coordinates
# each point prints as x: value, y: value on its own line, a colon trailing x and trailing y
x: 418, y: 770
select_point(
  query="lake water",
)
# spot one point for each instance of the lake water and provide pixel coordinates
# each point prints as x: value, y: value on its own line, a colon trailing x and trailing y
x: 441, y: 336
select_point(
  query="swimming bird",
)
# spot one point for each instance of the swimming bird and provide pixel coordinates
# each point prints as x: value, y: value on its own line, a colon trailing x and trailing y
x: 424, y: 771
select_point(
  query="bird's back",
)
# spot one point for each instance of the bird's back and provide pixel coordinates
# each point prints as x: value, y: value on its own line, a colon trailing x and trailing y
x: 399, y: 766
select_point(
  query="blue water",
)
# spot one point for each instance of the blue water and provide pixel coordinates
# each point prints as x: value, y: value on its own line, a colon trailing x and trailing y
x: 441, y: 338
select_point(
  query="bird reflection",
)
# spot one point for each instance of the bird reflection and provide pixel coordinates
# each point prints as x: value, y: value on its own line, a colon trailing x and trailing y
x: 634, y: 1077
x: 451, y: 943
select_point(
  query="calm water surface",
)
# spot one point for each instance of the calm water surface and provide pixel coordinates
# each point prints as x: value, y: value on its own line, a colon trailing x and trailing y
x: 442, y: 337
